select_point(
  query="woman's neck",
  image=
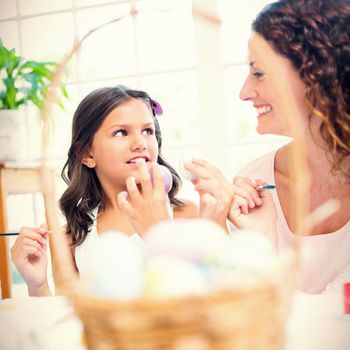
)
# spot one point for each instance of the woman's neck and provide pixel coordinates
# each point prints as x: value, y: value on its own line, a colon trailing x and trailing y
x: 316, y: 164
x: 320, y: 186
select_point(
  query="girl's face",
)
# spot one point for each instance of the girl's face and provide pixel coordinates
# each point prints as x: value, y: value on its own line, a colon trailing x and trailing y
x: 126, y: 136
x: 275, y: 89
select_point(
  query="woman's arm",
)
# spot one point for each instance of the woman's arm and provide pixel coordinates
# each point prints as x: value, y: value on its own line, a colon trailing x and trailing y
x: 246, y: 214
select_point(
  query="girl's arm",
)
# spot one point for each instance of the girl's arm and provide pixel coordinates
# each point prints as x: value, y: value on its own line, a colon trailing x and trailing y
x: 29, y: 254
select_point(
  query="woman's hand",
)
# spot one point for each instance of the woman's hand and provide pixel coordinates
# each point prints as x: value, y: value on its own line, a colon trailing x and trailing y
x: 29, y: 254
x: 145, y: 203
x: 253, y: 208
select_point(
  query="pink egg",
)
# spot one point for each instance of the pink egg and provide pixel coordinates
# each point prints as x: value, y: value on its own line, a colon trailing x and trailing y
x: 167, y: 178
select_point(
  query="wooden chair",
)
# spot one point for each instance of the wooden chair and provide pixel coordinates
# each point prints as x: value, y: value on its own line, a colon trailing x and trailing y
x: 18, y: 178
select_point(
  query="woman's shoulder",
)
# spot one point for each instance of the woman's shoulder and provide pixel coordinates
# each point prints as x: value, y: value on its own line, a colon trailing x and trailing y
x: 188, y: 210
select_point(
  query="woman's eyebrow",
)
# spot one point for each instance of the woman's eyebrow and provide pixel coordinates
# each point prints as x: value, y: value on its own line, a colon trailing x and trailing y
x: 252, y: 64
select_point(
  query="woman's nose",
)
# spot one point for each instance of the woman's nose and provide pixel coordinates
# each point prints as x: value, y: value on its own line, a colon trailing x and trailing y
x: 247, y: 92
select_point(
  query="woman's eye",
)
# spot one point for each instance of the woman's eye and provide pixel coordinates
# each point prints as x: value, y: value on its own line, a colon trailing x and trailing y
x: 148, y: 131
x: 258, y: 74
x: 120, y: 133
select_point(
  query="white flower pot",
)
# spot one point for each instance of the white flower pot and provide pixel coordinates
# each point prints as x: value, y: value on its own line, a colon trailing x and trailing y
x: 12, y: 135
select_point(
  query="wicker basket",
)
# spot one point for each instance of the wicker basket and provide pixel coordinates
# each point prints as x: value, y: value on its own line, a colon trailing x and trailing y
x: 241, y: 318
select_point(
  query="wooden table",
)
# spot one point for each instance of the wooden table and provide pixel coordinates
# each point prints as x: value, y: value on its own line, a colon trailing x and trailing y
x: 19, y: 178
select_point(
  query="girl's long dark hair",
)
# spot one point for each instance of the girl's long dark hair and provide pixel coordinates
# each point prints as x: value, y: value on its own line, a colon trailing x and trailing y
x: 84, y: 192
x: 315, y: 36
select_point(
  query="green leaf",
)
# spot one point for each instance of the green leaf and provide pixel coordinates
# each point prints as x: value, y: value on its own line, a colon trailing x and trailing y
x: 26, y: 81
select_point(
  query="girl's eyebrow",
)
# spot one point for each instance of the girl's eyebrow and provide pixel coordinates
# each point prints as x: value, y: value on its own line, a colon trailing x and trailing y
x: 125, y: 126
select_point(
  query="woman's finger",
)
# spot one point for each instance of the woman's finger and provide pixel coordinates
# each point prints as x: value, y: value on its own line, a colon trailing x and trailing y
x: 250, y: 189
x: 242, y: 203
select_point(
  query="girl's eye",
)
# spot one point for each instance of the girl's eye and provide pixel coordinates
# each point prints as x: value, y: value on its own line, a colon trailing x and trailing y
x: 149, y: 131
x: 258, y: 74
x: 120, y: 133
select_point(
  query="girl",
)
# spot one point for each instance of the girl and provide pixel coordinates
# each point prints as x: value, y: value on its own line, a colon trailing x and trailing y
x: 115, y: 139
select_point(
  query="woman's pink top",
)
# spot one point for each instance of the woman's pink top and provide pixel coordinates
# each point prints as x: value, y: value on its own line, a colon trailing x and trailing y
x: 326, y: 265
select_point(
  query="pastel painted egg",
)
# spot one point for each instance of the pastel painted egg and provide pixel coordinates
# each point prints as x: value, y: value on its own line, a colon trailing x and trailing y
x: 167, y: 177
x: 169, y: 276
x: 251, y: 250
x: 195, y: 240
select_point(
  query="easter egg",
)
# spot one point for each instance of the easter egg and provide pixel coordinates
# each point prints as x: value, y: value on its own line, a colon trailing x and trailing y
x: 167, y: 177
x: 169, y: 276
x: 192, y: 239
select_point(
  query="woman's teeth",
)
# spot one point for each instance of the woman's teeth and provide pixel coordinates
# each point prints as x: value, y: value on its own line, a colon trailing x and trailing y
x: 264, y: 110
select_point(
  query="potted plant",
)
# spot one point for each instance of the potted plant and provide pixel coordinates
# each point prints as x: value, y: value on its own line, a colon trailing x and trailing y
x: 22, y: 82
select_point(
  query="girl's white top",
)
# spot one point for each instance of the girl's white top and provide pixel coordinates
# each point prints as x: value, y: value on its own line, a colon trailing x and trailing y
x: 87, y: 253
x: 327, y: 262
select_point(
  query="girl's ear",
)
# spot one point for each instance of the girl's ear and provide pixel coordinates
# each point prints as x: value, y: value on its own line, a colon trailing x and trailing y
x: 89, y: 161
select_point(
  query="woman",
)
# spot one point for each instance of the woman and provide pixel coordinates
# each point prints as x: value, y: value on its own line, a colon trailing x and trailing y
x: 309, y: 42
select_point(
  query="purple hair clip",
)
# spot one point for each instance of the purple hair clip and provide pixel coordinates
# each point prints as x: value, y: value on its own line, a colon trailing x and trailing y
x: 156, y: 107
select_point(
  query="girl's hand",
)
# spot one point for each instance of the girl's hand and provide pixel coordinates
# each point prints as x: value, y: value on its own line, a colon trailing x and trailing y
x: 252, y: 208
x: 145, y: 203
x: 29, y: 254
x: 215, y: 192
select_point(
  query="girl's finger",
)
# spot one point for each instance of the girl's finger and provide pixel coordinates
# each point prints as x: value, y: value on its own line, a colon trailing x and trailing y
x: 33, y: 235
x: 30, y: 250
x: 206, y: 171
x: 145, y: 179
x: 221, y: 194
x: 209, y: 205
x: 133, y: 191
x: 158, y: 181
x: 31, y: 242
x: 199, y: 172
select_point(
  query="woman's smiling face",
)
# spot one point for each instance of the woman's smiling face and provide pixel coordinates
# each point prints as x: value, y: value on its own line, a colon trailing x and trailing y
x: 261, y: 87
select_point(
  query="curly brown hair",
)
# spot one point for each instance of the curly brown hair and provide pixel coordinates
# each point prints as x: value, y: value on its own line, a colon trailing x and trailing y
x: 315, y: 36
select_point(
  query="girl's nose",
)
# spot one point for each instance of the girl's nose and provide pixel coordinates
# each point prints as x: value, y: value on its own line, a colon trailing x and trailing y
x: 247, y: 92
x: 138, y: 144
